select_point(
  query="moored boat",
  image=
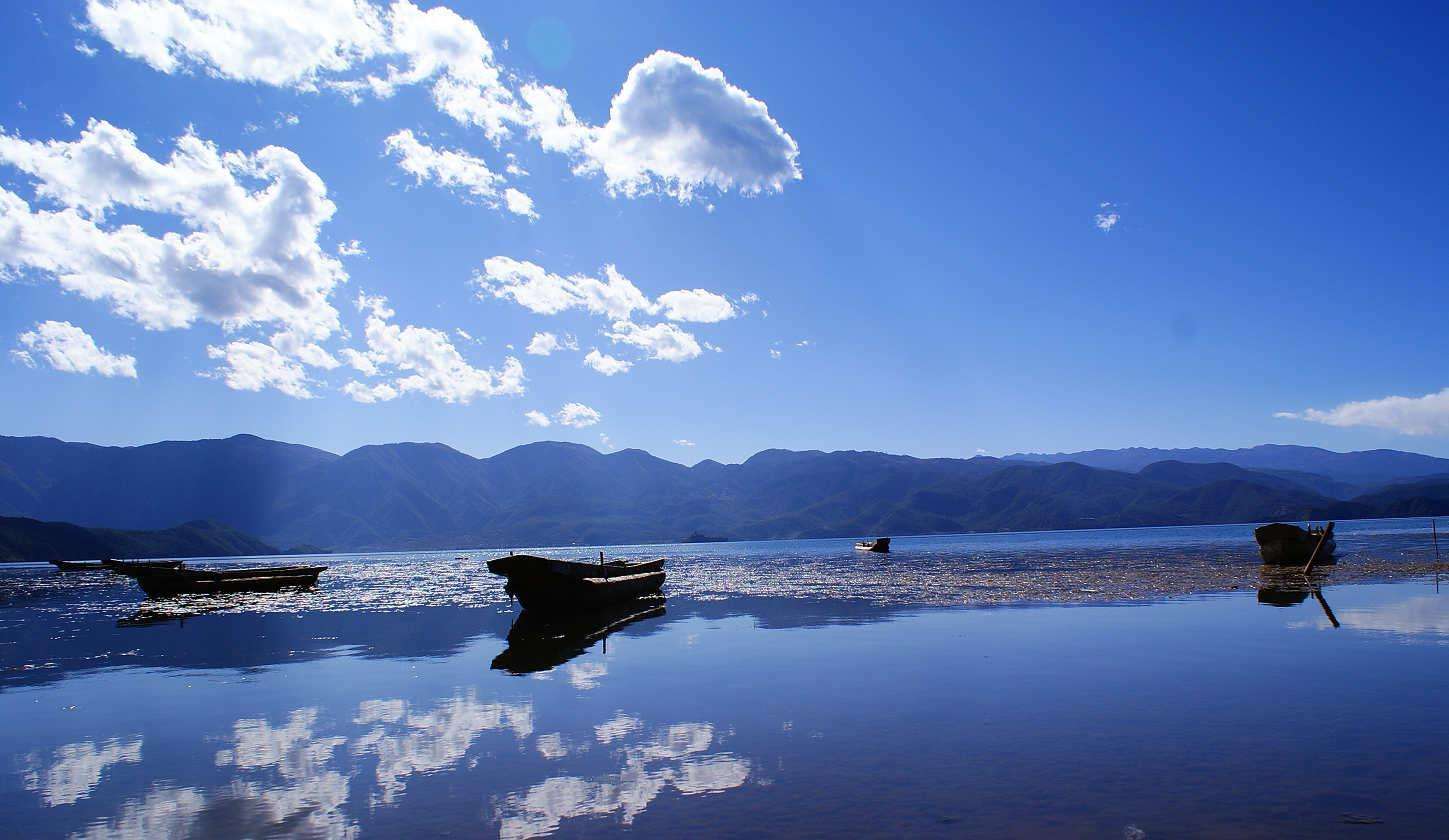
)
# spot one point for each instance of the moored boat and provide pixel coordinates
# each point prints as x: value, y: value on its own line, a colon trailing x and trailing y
x: 78, y: 565
x: 161, y: 582
x: 879, y: 545
x: 1281, y: 544
x: 542, y: 583
x: 131, y: 568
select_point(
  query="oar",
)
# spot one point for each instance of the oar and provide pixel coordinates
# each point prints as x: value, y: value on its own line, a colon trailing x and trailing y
x: 1323, y: 538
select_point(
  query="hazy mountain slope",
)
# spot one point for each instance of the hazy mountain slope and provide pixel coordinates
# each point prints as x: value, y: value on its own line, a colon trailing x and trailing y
x: 1376, y: 466
x: 24, y: 539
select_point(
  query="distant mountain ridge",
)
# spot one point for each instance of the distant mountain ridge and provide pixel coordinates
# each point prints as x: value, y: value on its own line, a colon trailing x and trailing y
x: 428, y: 495
x: 24, y: 539
x: 1363, y: 469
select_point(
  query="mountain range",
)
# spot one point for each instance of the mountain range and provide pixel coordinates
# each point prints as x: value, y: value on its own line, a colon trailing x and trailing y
x: 428, y: 495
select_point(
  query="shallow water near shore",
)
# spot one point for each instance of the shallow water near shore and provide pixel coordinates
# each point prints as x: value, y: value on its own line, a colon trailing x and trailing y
x: 1058, y: 684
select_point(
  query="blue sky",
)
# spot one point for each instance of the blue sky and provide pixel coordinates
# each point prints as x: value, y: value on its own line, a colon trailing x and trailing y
x: 936, y: 282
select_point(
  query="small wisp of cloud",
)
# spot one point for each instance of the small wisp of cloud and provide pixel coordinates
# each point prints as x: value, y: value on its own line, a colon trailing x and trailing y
x: 1107, y: 217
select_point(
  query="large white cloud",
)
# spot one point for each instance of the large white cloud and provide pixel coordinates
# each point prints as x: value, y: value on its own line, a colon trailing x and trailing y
x: 249, y: 254
x: 425, y: 361
x: 69, y: 348
x: 678, y: 126
x: 458, y: 171
x: 1426, y: 415
x: 675, y: 126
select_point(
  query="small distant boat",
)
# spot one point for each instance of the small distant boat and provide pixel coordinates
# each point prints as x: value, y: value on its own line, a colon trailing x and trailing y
x: 541, y: 583
x: 131, y: 568
x: 879, y: 545
x: 1282, y: 544
x: 79, y: 565
x: 161, y: 582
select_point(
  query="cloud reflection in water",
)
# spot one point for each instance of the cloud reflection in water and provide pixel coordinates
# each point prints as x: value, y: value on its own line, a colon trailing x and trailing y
x: 674, y: 756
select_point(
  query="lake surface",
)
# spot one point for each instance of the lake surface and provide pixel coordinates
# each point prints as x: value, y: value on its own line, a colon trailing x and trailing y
x: 1132, y: 683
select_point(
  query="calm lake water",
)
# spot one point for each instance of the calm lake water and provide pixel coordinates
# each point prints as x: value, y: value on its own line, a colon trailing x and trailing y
x: 1132, y: 683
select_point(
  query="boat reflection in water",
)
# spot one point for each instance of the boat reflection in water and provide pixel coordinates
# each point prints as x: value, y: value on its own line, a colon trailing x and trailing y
x: 1292, y: 590
x: 540, y: 641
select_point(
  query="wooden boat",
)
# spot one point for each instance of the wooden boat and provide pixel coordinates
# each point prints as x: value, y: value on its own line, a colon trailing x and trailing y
x: 542, y: 583
x: 131, y: 568
x: 79, y: 565
x: 879, y: 545
x: 1281, y: 544
x: 160, y: 582
x: 540, y: 641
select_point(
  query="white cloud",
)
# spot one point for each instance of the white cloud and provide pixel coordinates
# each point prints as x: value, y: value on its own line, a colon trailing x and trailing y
x: 546, y: 343
x: 696, y: 305
x: 660, y: 341
x: 749, y: 297
x: 537, y: 418
x: 591, y: 680
x: 67, y: 119
x: 86, y: 49
x: 69, y: 348
x: 1107, y: 218
x: 252, y: 366
x: 249, y: 256
x: 606, y: 364
x: 775, y: 354
x: 284, y: 44
x: 535, y: 289
x: 519, y: 203
x: 683, y: 442
x: 434, y: 367
x: 614, y: 296
x: 577, y: 416
x: 456, y: 170
x: 359, y: 361
x: 1426, y: 415
x: 351, y: 248
x: 368, y: 394
x: 676, y: 127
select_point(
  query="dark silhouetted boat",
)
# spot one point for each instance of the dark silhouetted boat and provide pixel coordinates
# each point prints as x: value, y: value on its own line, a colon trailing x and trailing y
x: 1281, y: 544
x: 159, y: 583
x: 540, y: 641
x: 541, y: 583
x: 131, y: 568
x: 880, y: 545
x: 78, y: 565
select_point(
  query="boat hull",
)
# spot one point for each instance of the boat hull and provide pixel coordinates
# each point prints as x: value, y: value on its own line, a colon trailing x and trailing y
x: 553, y: 592
x: 880, y: 546
x: 160, y: 583
x: 78, y: 566
x: 1288, y: 545
x: 132, y: 568
x: 516, y: 565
